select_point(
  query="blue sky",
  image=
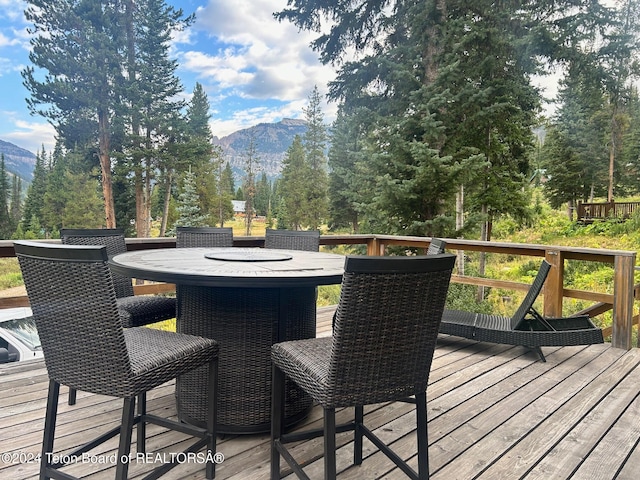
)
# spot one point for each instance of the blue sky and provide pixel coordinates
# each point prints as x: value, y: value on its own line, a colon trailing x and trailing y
x: 253, y: 68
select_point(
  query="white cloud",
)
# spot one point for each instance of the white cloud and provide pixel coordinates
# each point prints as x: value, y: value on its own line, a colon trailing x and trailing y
x: 257, y: 57
x: 31, y: 135
x: 12, y: 9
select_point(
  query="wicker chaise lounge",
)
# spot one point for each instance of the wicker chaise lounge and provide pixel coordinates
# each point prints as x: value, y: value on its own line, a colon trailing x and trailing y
x: 527, y: 327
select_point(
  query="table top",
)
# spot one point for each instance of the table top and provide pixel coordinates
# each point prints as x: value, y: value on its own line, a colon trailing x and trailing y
x: 245, y: 267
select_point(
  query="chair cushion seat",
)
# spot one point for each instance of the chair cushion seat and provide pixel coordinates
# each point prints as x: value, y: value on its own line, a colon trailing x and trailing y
x: 158, y: 356
x: 306, y: 362
x: 145, y: 309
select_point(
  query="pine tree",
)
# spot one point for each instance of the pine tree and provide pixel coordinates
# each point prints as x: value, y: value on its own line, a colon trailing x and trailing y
x: 189, y: 214
x: 224, y: 208
x: 6, y: 224
x: 78, y: 44
x: 344, y: 186
x: 152, y: 92
x: 263, y: 195
x: 35, y: 195
x: 315, y: 139
x: 83, y: 205
x: 251, y: 165
x: 447, y: 88
x: 293, y: 186
x: 15, y: 207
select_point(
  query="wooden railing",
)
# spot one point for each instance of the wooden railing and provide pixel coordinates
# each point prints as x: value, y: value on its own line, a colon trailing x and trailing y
x: 620, y: 302
x: 588, y: 212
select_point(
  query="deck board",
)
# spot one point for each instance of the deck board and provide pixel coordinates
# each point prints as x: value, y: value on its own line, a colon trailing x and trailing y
x: 494, y: 411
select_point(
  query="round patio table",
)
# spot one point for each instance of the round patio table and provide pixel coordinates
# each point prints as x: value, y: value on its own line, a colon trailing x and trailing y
x: 247, y: 299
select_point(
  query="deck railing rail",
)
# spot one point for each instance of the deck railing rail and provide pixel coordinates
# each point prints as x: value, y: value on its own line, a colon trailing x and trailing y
x: 620, y: 301
x: 587, y: 212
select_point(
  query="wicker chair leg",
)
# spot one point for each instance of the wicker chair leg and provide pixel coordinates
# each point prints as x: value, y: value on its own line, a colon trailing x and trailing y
x: 423, y: 436
x: 49, y: 428
x: 330, y: 470
x: 141, y: 429
x: 358, y: 434
x: 277, y: 423
x: 126, y: 429
x: 72, y: 396
x: 212, y: 416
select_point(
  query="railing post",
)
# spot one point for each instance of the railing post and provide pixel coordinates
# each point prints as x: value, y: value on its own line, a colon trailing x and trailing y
x: 554, y: 284
x: 623, y: 301
x: 375, y: 247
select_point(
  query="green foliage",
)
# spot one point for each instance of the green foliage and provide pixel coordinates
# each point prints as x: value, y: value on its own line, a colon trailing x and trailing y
x: 292, y: 186
x: 189, y: 214
x: 328, y: 295
x: 316, y: 180
x: 10, y: 275
x: 83, y: 204
x: 6, y: 222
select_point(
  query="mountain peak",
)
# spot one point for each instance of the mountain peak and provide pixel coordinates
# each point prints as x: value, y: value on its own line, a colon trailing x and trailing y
x: 271, y: 141
x: 18, y: 161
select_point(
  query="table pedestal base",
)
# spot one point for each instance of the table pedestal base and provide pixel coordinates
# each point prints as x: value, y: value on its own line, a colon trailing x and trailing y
x: 245, y: 322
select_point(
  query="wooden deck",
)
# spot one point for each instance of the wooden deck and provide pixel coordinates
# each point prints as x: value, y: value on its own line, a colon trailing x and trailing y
x: 495, y: 412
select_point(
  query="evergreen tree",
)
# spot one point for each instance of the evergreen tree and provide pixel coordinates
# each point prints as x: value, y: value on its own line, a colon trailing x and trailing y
x: 152, y: 93
x: 35, y: 195
x: 630, y: 151
x: 193, y: 151
x: 293, y: 187
x: 78, y: 43
x: 447, y: 87
x: 344, y: 187
x: 15, y: 207
x: 574, y: 155
x: 226, y: 179
x: 263, y: 195
x: 226, y: 193
x: 251, y: 165
x: 83, y: 205
x: 6, y: 224
x: 315, y: 139
x: 189, y: 214
x: 198, y: 114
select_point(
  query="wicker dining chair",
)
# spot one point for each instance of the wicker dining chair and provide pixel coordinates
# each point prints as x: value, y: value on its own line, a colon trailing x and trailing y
x: 308, y: 240
x: 204, y: 237
x: 381, y: 350
x: 138, y: 310
x: 135, y: 311
x: 85, y: 347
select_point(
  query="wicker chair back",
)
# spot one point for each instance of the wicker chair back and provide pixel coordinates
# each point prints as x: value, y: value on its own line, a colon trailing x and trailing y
x: 112, y: 238
x: 308, y: 240
x: 386, y: 327
x: 204, y: 237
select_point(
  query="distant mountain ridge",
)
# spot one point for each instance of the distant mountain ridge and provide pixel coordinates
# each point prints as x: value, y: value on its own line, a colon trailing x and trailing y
x: 18, y: 161
x: 271, y: 141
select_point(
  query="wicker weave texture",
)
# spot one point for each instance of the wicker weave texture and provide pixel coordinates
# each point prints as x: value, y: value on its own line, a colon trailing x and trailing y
x: 308, y: 240
x: 514, y: 330
x: 113, y: 239
x: 384, y: 337
x: 204, y: 237
x: 245, y: 323
x: 84, y: 344
x: 135, y: 311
